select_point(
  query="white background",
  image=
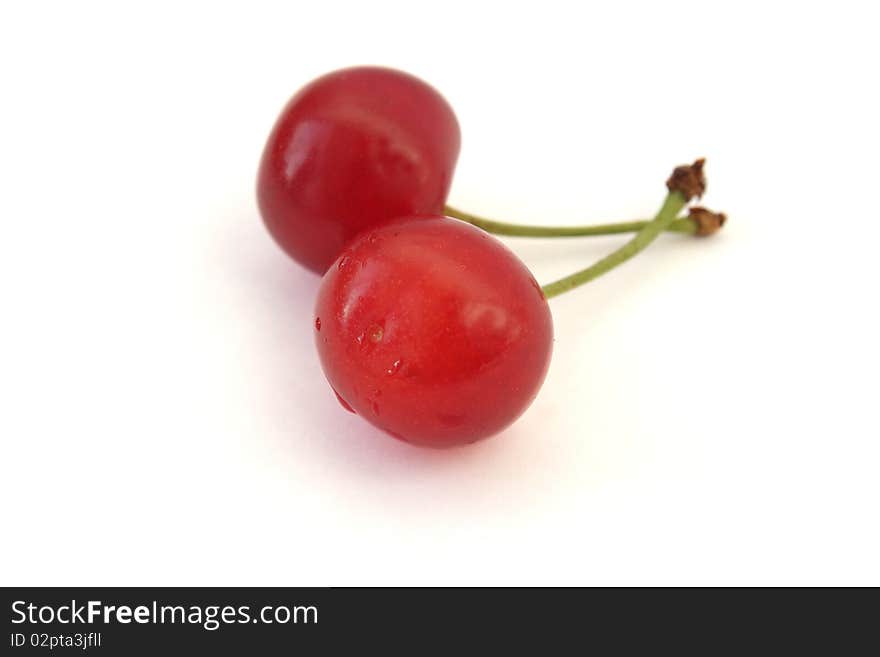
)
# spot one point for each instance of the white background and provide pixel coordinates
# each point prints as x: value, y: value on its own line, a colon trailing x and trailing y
x: 710, y: 416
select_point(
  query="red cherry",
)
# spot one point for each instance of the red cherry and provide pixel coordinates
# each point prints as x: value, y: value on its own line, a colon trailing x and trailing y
x: 354, y: 148
x: 433, y: 331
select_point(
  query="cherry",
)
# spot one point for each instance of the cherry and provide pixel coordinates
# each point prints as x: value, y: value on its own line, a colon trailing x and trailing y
x: 351, y: 149
x: 433, y: 330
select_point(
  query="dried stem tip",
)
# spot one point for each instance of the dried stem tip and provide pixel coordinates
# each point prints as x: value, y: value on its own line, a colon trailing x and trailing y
x: 708, y: 222
x: 689, y: 180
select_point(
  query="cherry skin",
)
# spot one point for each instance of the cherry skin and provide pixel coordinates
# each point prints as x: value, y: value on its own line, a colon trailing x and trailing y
x: 432, y: 330
x: 351, y: 149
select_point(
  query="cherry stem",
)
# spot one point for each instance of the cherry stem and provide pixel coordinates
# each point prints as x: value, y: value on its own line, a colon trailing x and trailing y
x: 673, y: 204
x: 680, y: 225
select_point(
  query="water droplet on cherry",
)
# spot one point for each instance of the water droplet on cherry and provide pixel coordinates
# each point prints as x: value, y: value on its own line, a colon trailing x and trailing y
x: 344, y: 403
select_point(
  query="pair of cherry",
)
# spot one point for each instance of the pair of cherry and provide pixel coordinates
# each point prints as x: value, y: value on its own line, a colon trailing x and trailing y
x: 425, y: 325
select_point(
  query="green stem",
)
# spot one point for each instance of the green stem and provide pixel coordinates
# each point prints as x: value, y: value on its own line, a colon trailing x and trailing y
x: 681, y: 225
x: 674, y: 203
